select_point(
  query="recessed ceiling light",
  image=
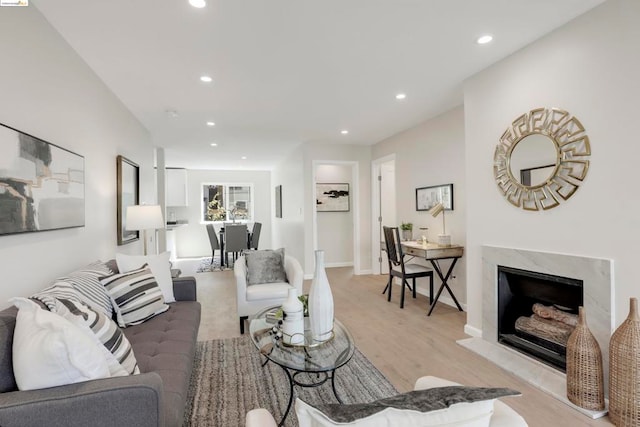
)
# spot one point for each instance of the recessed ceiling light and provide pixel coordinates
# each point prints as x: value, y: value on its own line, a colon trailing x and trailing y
x: 244, y: 157
x: 401, y: 96
x: 172, y: 113
x: 213, y: 144
x: 211, y: 124
x: 484, y: 39
x: 344, y: 131
x: 206, y: 79
x: 198, y: 3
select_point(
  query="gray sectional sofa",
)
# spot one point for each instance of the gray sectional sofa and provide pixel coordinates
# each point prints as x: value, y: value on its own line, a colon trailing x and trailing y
x: 164, y: 347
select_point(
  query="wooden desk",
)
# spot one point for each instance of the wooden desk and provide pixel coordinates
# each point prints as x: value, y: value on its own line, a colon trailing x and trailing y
x: 433, y: 253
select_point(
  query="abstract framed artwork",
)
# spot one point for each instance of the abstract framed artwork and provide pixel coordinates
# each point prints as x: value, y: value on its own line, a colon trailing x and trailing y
x: 278, y: 201
x: 41, y: 184
x: 427, y: 197
x: 128, y: 180
x: 332, y: 197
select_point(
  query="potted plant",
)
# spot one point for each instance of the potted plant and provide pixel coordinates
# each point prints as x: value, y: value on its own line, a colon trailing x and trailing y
x: 407, y: 230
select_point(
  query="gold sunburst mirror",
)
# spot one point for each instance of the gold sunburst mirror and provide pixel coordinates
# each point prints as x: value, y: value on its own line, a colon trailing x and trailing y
x: 541, y: 159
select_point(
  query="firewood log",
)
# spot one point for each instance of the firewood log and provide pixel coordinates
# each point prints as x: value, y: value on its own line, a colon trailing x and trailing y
x: 550, y: 312
x: 550, y: 330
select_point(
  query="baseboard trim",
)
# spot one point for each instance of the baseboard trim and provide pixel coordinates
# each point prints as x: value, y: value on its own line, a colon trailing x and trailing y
x: 338, y: 264
x: 472, y: 331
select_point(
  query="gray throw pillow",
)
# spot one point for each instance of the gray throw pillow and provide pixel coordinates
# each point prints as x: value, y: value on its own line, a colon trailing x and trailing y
x: 265, y: 266
x: 427, y: 400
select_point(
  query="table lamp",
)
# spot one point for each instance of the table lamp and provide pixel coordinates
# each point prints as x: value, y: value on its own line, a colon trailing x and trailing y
x: 143, y: 218
x: 443, y: 239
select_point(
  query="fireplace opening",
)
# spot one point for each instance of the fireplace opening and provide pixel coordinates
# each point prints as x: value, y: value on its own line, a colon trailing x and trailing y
x: 537, y: 312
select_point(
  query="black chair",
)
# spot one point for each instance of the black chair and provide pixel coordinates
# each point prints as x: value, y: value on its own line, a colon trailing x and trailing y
x: 213, y: 240
x: 235, y: 240
x: 255, y: 235
x: 398, y: 268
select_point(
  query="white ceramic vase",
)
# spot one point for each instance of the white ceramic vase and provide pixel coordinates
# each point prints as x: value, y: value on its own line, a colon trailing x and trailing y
x: 320, y: 303
x: 293, y: 323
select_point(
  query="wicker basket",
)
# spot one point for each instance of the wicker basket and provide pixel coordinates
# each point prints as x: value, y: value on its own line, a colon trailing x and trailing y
x: 624, y: 371
x: 585, y: 378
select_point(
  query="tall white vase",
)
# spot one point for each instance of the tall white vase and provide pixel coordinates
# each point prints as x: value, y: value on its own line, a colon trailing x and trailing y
x: 320, y: 303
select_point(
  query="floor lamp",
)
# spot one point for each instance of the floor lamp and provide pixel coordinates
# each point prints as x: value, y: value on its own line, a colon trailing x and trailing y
x: 143, y: 218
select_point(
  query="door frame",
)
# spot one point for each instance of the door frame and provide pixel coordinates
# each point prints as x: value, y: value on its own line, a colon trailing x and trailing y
x: 376, y: 247
x: 354, y: 204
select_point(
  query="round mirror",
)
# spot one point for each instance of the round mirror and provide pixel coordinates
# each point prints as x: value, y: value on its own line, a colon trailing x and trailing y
x: 533, y: 160
x: 541, y: 159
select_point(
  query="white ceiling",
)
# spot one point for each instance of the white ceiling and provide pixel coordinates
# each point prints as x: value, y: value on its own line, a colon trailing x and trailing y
x: 291, y: 71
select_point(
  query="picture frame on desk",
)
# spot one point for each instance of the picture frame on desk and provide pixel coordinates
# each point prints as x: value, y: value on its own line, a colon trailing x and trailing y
x: 428, y: 197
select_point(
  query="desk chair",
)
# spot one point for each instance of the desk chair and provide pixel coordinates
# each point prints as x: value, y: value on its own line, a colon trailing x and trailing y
x: 213, y: 240
x: 235, y: 240
x: 255, y: 235
x: 398, y: 268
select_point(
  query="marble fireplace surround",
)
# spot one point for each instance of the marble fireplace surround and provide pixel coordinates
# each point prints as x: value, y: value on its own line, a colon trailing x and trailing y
x: 596, y: 274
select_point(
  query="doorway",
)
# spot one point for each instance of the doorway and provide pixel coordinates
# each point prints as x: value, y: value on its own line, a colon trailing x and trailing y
x: 335, y: 228
x: 383, y: 208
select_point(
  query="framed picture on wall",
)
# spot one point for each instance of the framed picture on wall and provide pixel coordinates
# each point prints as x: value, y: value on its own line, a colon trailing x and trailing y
x: 128, y: 181
x: 332, y: 197
x: 427, y: 197
x: 278, y: 201
x: 41, y: 184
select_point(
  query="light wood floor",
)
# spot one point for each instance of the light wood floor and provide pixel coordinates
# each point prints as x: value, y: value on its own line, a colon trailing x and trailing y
x: 404, y: 344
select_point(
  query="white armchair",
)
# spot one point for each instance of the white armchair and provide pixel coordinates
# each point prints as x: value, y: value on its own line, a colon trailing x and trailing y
x: 252, y: 299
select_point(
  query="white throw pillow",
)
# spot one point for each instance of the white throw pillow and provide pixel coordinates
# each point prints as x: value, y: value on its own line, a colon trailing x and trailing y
x: 159, y: 265
x: 50, y: 351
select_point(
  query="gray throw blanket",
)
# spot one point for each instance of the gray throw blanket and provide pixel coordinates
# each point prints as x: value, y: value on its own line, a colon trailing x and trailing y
x: 431, y: 399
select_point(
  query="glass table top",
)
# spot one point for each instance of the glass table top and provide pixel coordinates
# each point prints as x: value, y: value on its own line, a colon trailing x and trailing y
x: 324, y: 357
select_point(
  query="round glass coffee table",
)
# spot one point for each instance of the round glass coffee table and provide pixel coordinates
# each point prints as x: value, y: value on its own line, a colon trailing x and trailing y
x: 320, y: 359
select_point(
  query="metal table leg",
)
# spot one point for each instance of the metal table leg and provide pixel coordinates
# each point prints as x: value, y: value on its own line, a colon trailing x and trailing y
x: 444, y: 285
x: 333, y: 386
x: 284, y: 417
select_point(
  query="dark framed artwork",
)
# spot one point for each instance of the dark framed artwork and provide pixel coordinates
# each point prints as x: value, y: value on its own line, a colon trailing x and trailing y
x: 427, y: 197
x: 128, y: 195
x: 332, y: 197
x: 278, y: 201
x: 41, y: 184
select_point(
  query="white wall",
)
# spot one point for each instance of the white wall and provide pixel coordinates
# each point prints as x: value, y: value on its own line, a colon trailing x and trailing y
x: 49, y: 92
x: 432, y: 153
x: 192, y: 240
x: 590, y: 68
x: 335, y: 229
x: 288, y: 231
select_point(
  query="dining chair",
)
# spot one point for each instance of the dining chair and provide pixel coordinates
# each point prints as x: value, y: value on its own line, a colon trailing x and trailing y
x: 398, y: 267
x: 235, y: 240
x: 255, y: 235
x: 213, y: 240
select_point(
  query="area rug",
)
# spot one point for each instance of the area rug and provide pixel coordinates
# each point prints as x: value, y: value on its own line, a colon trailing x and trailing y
x: 206, y: 265
x: 229, y: 380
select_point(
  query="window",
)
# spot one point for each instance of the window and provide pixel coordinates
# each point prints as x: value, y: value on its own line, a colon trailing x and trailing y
x: 227, y: 202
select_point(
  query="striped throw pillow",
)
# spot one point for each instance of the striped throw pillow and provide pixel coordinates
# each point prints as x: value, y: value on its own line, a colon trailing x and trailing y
x: 60, y: 290
x: 136, y: 296
x: 107, y: 333
x: 86, y: 282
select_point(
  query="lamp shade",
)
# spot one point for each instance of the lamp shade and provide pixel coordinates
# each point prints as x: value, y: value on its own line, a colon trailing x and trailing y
x: 143, y: 217
x: 436, y: 209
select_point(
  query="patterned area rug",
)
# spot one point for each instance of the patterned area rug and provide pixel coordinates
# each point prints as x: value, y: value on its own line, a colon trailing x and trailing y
x: 206, y: 265
x: 228, y: 381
